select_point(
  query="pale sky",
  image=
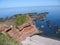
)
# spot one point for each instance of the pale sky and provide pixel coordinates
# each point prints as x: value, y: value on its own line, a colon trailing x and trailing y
x: 27, y: 3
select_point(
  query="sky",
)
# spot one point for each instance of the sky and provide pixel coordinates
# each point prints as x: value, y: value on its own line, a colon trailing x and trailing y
x: 27, y: 3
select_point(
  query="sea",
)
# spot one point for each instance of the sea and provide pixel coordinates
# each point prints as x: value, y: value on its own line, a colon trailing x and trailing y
x: 53, y: 15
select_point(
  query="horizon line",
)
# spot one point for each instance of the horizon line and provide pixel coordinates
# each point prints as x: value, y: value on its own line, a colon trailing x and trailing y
x: 29, y: 6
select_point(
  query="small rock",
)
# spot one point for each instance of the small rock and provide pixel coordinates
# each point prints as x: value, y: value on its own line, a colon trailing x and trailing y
x: 42, y: 26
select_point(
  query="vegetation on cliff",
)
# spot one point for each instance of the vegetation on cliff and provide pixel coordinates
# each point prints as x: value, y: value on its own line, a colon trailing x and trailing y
x: 21, y: 20
x: 6, y: 40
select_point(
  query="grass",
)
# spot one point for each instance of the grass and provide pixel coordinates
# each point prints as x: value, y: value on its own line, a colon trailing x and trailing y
x: 21, y: 20
x: 6, y: 40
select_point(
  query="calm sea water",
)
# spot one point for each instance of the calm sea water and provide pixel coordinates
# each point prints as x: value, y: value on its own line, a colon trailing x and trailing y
x: 53, y: 16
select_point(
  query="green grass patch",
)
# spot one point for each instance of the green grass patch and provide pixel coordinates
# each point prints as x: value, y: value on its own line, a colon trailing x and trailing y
x: 6, y: 40
x: 21, y: 20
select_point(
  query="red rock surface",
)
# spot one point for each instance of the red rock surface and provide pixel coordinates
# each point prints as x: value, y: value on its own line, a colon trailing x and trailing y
x: 26, y: 32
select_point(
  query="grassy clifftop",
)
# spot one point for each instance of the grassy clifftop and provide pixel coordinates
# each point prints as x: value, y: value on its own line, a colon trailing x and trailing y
x: 6, y: 40
x: 21, y: 19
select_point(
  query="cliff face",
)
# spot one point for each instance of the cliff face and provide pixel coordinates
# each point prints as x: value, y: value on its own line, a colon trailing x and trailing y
x: 23, y: 31
x: 26, y: 32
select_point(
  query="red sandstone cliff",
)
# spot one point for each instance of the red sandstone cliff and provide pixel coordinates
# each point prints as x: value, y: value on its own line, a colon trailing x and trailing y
x: 25, y: 30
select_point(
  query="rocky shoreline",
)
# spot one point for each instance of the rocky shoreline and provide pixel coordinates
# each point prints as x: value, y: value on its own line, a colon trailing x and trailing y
x: 21, y: 32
